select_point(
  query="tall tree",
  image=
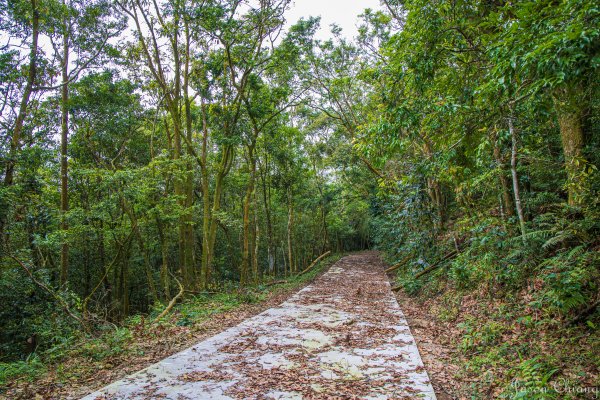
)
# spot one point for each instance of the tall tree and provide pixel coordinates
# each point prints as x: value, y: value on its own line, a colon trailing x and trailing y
x: 27, y: 18
x: 85, y: 30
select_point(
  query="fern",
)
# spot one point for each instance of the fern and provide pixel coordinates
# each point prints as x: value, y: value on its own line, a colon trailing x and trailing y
x: 531, y: 381
x: 576, y: 252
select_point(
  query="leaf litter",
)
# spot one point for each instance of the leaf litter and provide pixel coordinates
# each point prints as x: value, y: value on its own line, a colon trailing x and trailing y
x: 343, y: 337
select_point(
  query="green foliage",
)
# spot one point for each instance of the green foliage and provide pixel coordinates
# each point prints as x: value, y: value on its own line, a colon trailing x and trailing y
x: 572, y: 279
x: 532, y: 381
x: 30, y: 368
x: 111, y: 342
x: 201, y: 307
x: 33, y: 320
x: 443, y: 88
x: 477, y: 337
x: 214, y: 156
x: 108, y: 345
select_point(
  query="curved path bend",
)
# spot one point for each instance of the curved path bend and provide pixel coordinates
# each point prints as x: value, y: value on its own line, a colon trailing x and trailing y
x: 343, y: 337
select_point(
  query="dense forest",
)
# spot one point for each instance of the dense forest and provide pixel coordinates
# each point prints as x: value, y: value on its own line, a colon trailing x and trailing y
x: 154, y: 152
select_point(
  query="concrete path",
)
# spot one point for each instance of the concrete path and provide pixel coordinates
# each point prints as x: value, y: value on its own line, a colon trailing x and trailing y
x: 343, y: 337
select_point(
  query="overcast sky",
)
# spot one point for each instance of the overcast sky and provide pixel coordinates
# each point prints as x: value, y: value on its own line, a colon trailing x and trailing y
x: 342, y: 12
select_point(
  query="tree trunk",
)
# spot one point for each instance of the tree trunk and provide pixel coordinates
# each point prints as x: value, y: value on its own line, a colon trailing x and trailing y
x: 246, y: 254
x: 211, y: 235
x: 569, y: 107
x: 125, y: 286
x: 164, y: 268
x: 290, y: 229
x: 206, y: 211
x: 266, y: 189
x: 434, y: 190
x: 188, y: 184
x: 285, y: 268
x: 64, y: 166
x: 515, y: 177
x: 257, y: 274
x: 182, y: 192
x: 507, y: 202
x: 15, y: 141
x: 102, y: 255
x: 147, y: 265
x: 323, y: 233
x: 181, y: 183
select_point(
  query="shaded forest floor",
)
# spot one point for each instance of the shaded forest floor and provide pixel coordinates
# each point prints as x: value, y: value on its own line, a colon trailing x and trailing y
x: 479, y: 347
x: 91, y: 363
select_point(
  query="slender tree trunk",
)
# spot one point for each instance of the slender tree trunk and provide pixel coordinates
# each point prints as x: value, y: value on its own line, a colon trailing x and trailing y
x: 181, y: 186
x: 323, y: 233
x: 189, y: 236
x: 122, y: 280
x: 206, y: 219
x: 246, y: 254
x: 507, y: 202
x: 125, y: 285
x: 206, y: 210
x: 116, y: 288
x: 147, y: 265
x: 102, y: 254
x: 285, y: 267
x: 88, y: 243
x: 164, y: 268
x: 290, y: 228
x: 181, y: 190
x: 257, y: 274
x: 515, y: 177
x: 569, y: 107
x: 434, y: 190
x: 266, y: 188
x: 64, y: 140
x: 224, y: 167
x: 214, y: 223
x: 324, y: 230
x: 15, y: 142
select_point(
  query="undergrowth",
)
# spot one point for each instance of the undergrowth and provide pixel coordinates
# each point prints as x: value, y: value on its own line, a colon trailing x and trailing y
x: 521, y: 303
x: 82, y: 354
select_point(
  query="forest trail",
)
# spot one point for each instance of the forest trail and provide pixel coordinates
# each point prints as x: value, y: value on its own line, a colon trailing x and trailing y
x: 344, y: 336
